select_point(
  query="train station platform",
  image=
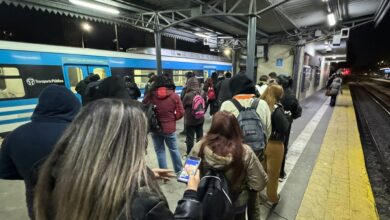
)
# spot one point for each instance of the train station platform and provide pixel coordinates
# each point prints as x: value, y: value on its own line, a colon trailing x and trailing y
x: 327, y: 178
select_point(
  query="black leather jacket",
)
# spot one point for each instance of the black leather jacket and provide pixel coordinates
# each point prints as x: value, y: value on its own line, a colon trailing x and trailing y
x: 147, y: 205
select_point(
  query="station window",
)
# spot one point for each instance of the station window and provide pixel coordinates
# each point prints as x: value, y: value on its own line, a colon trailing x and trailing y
x: 75, y: 75
x: 11, y: 84
x: 100, y: 71
x: 141, y: 77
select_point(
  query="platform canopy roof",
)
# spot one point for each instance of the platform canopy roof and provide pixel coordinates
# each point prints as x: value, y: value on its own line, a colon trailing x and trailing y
x: 190, y: 20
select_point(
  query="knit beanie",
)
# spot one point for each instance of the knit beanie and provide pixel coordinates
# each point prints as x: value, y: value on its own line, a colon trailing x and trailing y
x: 241, y: 84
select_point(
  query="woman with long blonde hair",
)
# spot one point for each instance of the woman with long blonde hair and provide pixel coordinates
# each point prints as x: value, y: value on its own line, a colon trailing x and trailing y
x: 274, y: 150
x: 98, y: 170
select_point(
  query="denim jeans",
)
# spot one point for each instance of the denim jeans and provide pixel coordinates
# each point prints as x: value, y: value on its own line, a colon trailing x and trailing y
x: 159, y: 147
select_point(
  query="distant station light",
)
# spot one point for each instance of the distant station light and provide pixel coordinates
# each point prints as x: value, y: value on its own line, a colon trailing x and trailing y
x: 86, y: 27
x: 227, y: 52
x: 97, y: 7
x: 331, y: 19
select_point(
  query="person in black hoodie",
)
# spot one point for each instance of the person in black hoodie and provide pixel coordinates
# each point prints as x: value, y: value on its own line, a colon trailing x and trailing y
x: 31, y: 142
x: 292, y: 110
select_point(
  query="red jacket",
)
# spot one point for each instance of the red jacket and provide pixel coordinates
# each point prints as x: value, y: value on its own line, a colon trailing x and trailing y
x: 169, y: 108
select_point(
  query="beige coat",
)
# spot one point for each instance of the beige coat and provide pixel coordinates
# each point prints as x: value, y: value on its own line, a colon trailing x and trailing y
x: 252, y: 178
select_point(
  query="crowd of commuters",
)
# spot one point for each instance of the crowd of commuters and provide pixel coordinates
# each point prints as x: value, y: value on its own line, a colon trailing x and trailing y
x: 94, y: 163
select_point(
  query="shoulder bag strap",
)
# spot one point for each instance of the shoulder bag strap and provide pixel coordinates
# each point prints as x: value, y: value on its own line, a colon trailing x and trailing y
x: 237, y: 104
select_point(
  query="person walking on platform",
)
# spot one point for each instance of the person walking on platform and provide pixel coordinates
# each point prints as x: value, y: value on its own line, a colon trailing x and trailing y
x: 243, y: 90
x: 292, y: 111
x: 223, y: 88
x: 275, y: 150
x: 169, y: 109
x: 194, y: 104
x: 188, y: 75
x: 25, y: 148
x: 335, y: 89
x: 223, y: 150
x: 209, y: 88
x: 98, y: 170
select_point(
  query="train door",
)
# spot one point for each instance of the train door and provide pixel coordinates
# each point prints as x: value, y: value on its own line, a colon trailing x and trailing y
x: 102, y: 71
x: 74, y: 74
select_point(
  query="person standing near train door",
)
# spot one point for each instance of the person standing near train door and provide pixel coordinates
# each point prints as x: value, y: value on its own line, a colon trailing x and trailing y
x: 209, y: 88
x: 26, y: 147
x: 169, y: 109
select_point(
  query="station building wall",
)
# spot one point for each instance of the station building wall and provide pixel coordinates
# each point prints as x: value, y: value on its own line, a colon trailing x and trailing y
x: 279, y: 61
x: 313, y: 83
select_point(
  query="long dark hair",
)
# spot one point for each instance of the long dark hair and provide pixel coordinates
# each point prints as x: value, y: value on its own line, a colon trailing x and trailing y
x: 224, y: 138
x: 97, y: 165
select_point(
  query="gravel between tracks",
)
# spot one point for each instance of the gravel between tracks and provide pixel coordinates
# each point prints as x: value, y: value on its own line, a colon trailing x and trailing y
x: 371, y: 116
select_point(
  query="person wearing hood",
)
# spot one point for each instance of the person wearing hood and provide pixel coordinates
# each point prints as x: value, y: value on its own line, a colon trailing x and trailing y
x: 24, y: 148
x: 193, y: 125
x: 335, y: 89
x: 169, y: 109
x: 243, y: 90
x: 292, y: 110
x: 222, y: 149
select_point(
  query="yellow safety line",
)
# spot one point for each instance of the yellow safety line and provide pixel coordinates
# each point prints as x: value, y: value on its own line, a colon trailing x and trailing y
x: 339, y: 187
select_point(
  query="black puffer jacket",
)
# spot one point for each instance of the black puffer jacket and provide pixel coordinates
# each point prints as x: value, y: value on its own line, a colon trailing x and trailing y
x: 147, y: 205
x: 291, y: 104
x: 280, y: 124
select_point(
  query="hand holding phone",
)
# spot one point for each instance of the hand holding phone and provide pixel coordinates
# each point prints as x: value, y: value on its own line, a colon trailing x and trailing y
x: 190, y: 167
x: 194, y: 181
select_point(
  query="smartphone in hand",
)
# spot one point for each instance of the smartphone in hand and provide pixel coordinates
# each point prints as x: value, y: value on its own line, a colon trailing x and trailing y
x: 190, y: 167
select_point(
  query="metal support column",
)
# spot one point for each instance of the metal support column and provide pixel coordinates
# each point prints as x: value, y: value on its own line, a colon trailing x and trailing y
x: 157, y: 43
x: 116, y: 37
x: 251, y: 46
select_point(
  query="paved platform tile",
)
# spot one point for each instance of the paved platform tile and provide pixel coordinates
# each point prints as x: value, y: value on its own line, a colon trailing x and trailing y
x: 339, y: 187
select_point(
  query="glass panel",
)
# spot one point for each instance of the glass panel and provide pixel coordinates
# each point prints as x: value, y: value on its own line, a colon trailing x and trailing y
x: 141, y: 77
x: 75, y: 75
x: 11, y: 88
x: 100, y: 71
x: 9, y: 71
x: 179, y: 77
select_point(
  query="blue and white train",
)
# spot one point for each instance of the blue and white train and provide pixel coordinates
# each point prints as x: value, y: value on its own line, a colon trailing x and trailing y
x: 25, y: 69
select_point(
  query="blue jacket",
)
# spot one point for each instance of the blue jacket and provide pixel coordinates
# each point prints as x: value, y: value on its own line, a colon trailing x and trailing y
x: 27, y: 144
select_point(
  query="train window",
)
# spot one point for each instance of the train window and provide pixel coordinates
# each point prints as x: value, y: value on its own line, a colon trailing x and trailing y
x: 179, y: 77
x: 141, y: 77
x: 100, y: 71
x: 75, y: 75
x: 11, y: 85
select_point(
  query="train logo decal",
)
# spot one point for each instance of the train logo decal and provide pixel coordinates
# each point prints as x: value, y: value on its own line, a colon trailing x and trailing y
x: 30, y: 81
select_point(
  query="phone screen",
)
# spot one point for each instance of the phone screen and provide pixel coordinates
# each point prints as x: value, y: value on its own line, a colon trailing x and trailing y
x: 190, y: 167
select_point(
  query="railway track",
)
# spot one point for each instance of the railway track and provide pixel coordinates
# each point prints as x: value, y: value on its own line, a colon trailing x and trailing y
x: 373, y: 117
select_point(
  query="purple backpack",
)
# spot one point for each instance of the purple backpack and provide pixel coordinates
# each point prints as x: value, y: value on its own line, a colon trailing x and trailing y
x: 198, y: 106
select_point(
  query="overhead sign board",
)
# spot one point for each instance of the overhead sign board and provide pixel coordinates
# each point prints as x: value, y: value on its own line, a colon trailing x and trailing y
x: 211, y: 42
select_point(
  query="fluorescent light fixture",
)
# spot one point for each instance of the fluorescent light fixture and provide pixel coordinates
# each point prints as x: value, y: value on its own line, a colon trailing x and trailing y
x: 331, y: 19
x: 202, y: 35
x: 324, y: 0
x: 334, y: 57
x: 96, y: 7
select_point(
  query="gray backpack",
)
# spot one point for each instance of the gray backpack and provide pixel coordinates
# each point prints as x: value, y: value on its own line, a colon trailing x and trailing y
x: 251, y: 125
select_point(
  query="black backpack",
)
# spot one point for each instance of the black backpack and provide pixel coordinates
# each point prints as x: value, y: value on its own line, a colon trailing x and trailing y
x: 150, y: 112
x: 214, y: 195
